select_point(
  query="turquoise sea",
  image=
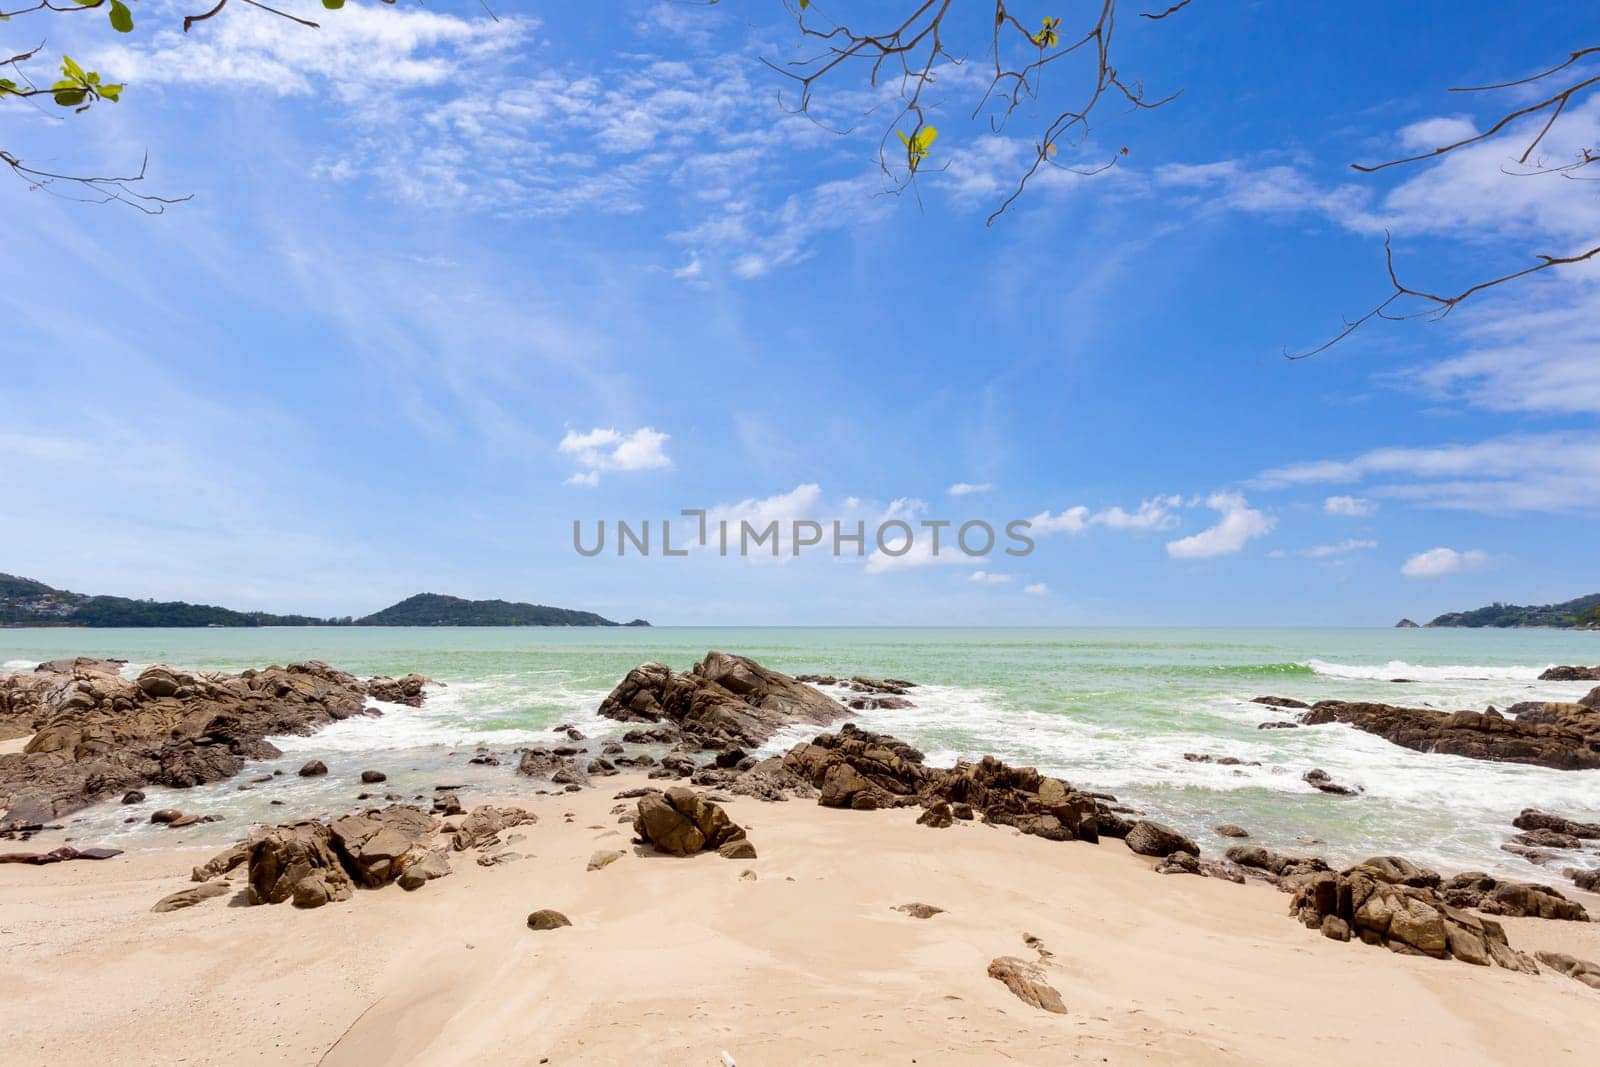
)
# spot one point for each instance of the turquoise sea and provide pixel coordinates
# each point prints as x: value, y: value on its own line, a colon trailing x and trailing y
x: 1107, y: 709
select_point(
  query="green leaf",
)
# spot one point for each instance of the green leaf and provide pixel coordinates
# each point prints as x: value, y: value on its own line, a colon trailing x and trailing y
x: 112, y: 92
x: 121, y: 17
x: 333, y: 5
x: 69, y: 97
x: 70, y: 68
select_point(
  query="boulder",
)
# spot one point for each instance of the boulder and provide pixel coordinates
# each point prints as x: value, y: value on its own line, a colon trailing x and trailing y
x: 420, y: 867
x: 1319, y: 779
x: 723, y: 698
x: 681, y: 822
x: 224, y: 862
x: 1179, y: 863
x: 377, y: 846
x: 1579, y: 970
x: 1153, y: 839
x: 547, y: 919
x: 1532, y: 819
x: 407, y: 690
x: 313, y: 769
x: 1227, y: 829
x: 297, y: 863
x: 373, y: 777
x: 133, y: 796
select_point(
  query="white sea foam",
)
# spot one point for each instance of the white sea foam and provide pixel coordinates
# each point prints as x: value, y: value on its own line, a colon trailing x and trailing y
x: 1419, y: 673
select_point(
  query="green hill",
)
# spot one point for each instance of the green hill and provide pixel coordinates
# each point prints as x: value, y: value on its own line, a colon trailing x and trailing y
x: 436, y: 609
x: 1583, y: 611
x: 26, y: 602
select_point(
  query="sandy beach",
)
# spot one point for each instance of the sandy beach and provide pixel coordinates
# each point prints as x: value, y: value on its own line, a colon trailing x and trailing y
x: 676, y: 960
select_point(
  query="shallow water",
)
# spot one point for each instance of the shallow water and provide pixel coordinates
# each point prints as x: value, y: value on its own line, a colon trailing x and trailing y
x: 1109, y: 709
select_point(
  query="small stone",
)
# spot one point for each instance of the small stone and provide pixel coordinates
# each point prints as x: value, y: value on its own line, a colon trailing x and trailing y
x: 919, y: 910
x: 547, y: 919
x: 166, y: 815
x: 132, y: 796
x: 188, y: 898
x: 1227, y: 829
x: 603, y: 858
x: 372, y: 777
x: 313, y: 769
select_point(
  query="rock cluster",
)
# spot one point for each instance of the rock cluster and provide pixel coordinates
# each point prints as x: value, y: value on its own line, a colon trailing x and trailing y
x: 97, y: 734
x: 854, y: 768
x: 1571, y: 674
x: 313, y: 863
x: 1561, y: 736
x: 681, y: 822
x: 723, y: 700
x: 1409, y: 919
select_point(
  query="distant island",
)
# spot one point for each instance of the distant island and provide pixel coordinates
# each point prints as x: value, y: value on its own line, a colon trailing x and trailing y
x: 1582, y: 613
x: 26, y: 602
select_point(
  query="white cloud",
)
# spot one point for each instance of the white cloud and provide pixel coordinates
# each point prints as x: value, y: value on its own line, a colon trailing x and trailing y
x: 988, y: 578
x: 1436, y: 132
x: 968, y: 488
x: 1342, y: 548
x: 610, y: 450
x: 1239, y: 524
x: 1036, y: 589
x: 1556, y: 472
x: 1157, y: 513
x: 1354, y: 507
x: 1439, y: 562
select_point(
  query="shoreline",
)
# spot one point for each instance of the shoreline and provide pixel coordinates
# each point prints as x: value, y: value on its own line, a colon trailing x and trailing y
x: 675, y: 960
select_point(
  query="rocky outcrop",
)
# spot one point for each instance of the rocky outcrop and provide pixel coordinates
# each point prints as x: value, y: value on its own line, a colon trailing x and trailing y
x: 1578, y: 970
x: 681, y: 822
x: 1561, y: 736
x: 1359, y: 903
x: 1592, y: 700
x: 1532, y: 819
x: 855, y: 768
x: 97, y: 734
x: 723, y: 699
x: 59, y: 855
x: 1320, y: 780
x: 1494, y: 896
x: 1571, y: 674
x: 1276, y: 867
x: 407, y: 690
x: 313, y: 863
x: 1153, y: 839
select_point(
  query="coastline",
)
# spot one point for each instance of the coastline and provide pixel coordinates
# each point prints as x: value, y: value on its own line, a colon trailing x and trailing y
x: 675, y: 960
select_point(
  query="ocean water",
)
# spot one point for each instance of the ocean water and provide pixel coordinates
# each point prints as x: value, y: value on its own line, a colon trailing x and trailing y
x: 1113, y: 710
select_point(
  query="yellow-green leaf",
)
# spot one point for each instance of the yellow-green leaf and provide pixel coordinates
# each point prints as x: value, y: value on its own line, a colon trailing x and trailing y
x: 121, y: 17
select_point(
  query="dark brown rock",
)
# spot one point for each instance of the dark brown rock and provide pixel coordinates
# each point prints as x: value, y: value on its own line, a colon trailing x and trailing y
x: 547, y: 919
x: 313, y: 769
x: 681, y: 822
x: 1571, y: 674
x: 1533, y: 819
x: 1561, y: 736
x: 1153, y: 839
x: 1494, y: 896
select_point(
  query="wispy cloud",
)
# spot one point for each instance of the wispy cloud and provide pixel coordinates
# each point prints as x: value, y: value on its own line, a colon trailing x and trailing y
x: 968, y: 488
x: 988, y: 578
x: 1342, y: 548
x: 1156, y: 513
x: 1354, y: 507
x: 1036, y: 589
x: 1557, y: 472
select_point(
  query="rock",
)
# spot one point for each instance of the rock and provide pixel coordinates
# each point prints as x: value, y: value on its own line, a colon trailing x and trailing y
x: 603, y: 858
x: 1493, y: 896
x: 1318, y: 779
x: 59, y: 855
x: 1153, y: 839
x: 1179, y: 863
x: 1280, y: 702
x: 1532, y: 819
x: 737, y: 849
x: 1027, y: 981
x: 224, y: 862
x: 919, y: 910
x: 1407, y: 919
x: 1397, y: 871
x: 1589, y: 880
x: 938, y: 816
x: 313, y: 769
x: 723, y: 697
x: 547, y: 919
x: 1579, y: 970
x: 1548, y: 839
x: 166, y: 815
x: 1592, y: 700
x: 681, y: 822
x: 423, y: 867
x: 97, y: 735
x: 1276, y: 864
x: 373, y: 777
x: 1571, y: 674
x: 188, y: 898
x: 407, y: 690
x: 481, y: 825
x: 377, y: 846
x: 1560, y: 736
x: 1277, y: 725
x: 1227, y: 829
x: 133, y: 796
x: 297, y: 863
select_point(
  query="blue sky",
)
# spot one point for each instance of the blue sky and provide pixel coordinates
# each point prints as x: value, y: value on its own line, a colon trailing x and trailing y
x: 426, y: 248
